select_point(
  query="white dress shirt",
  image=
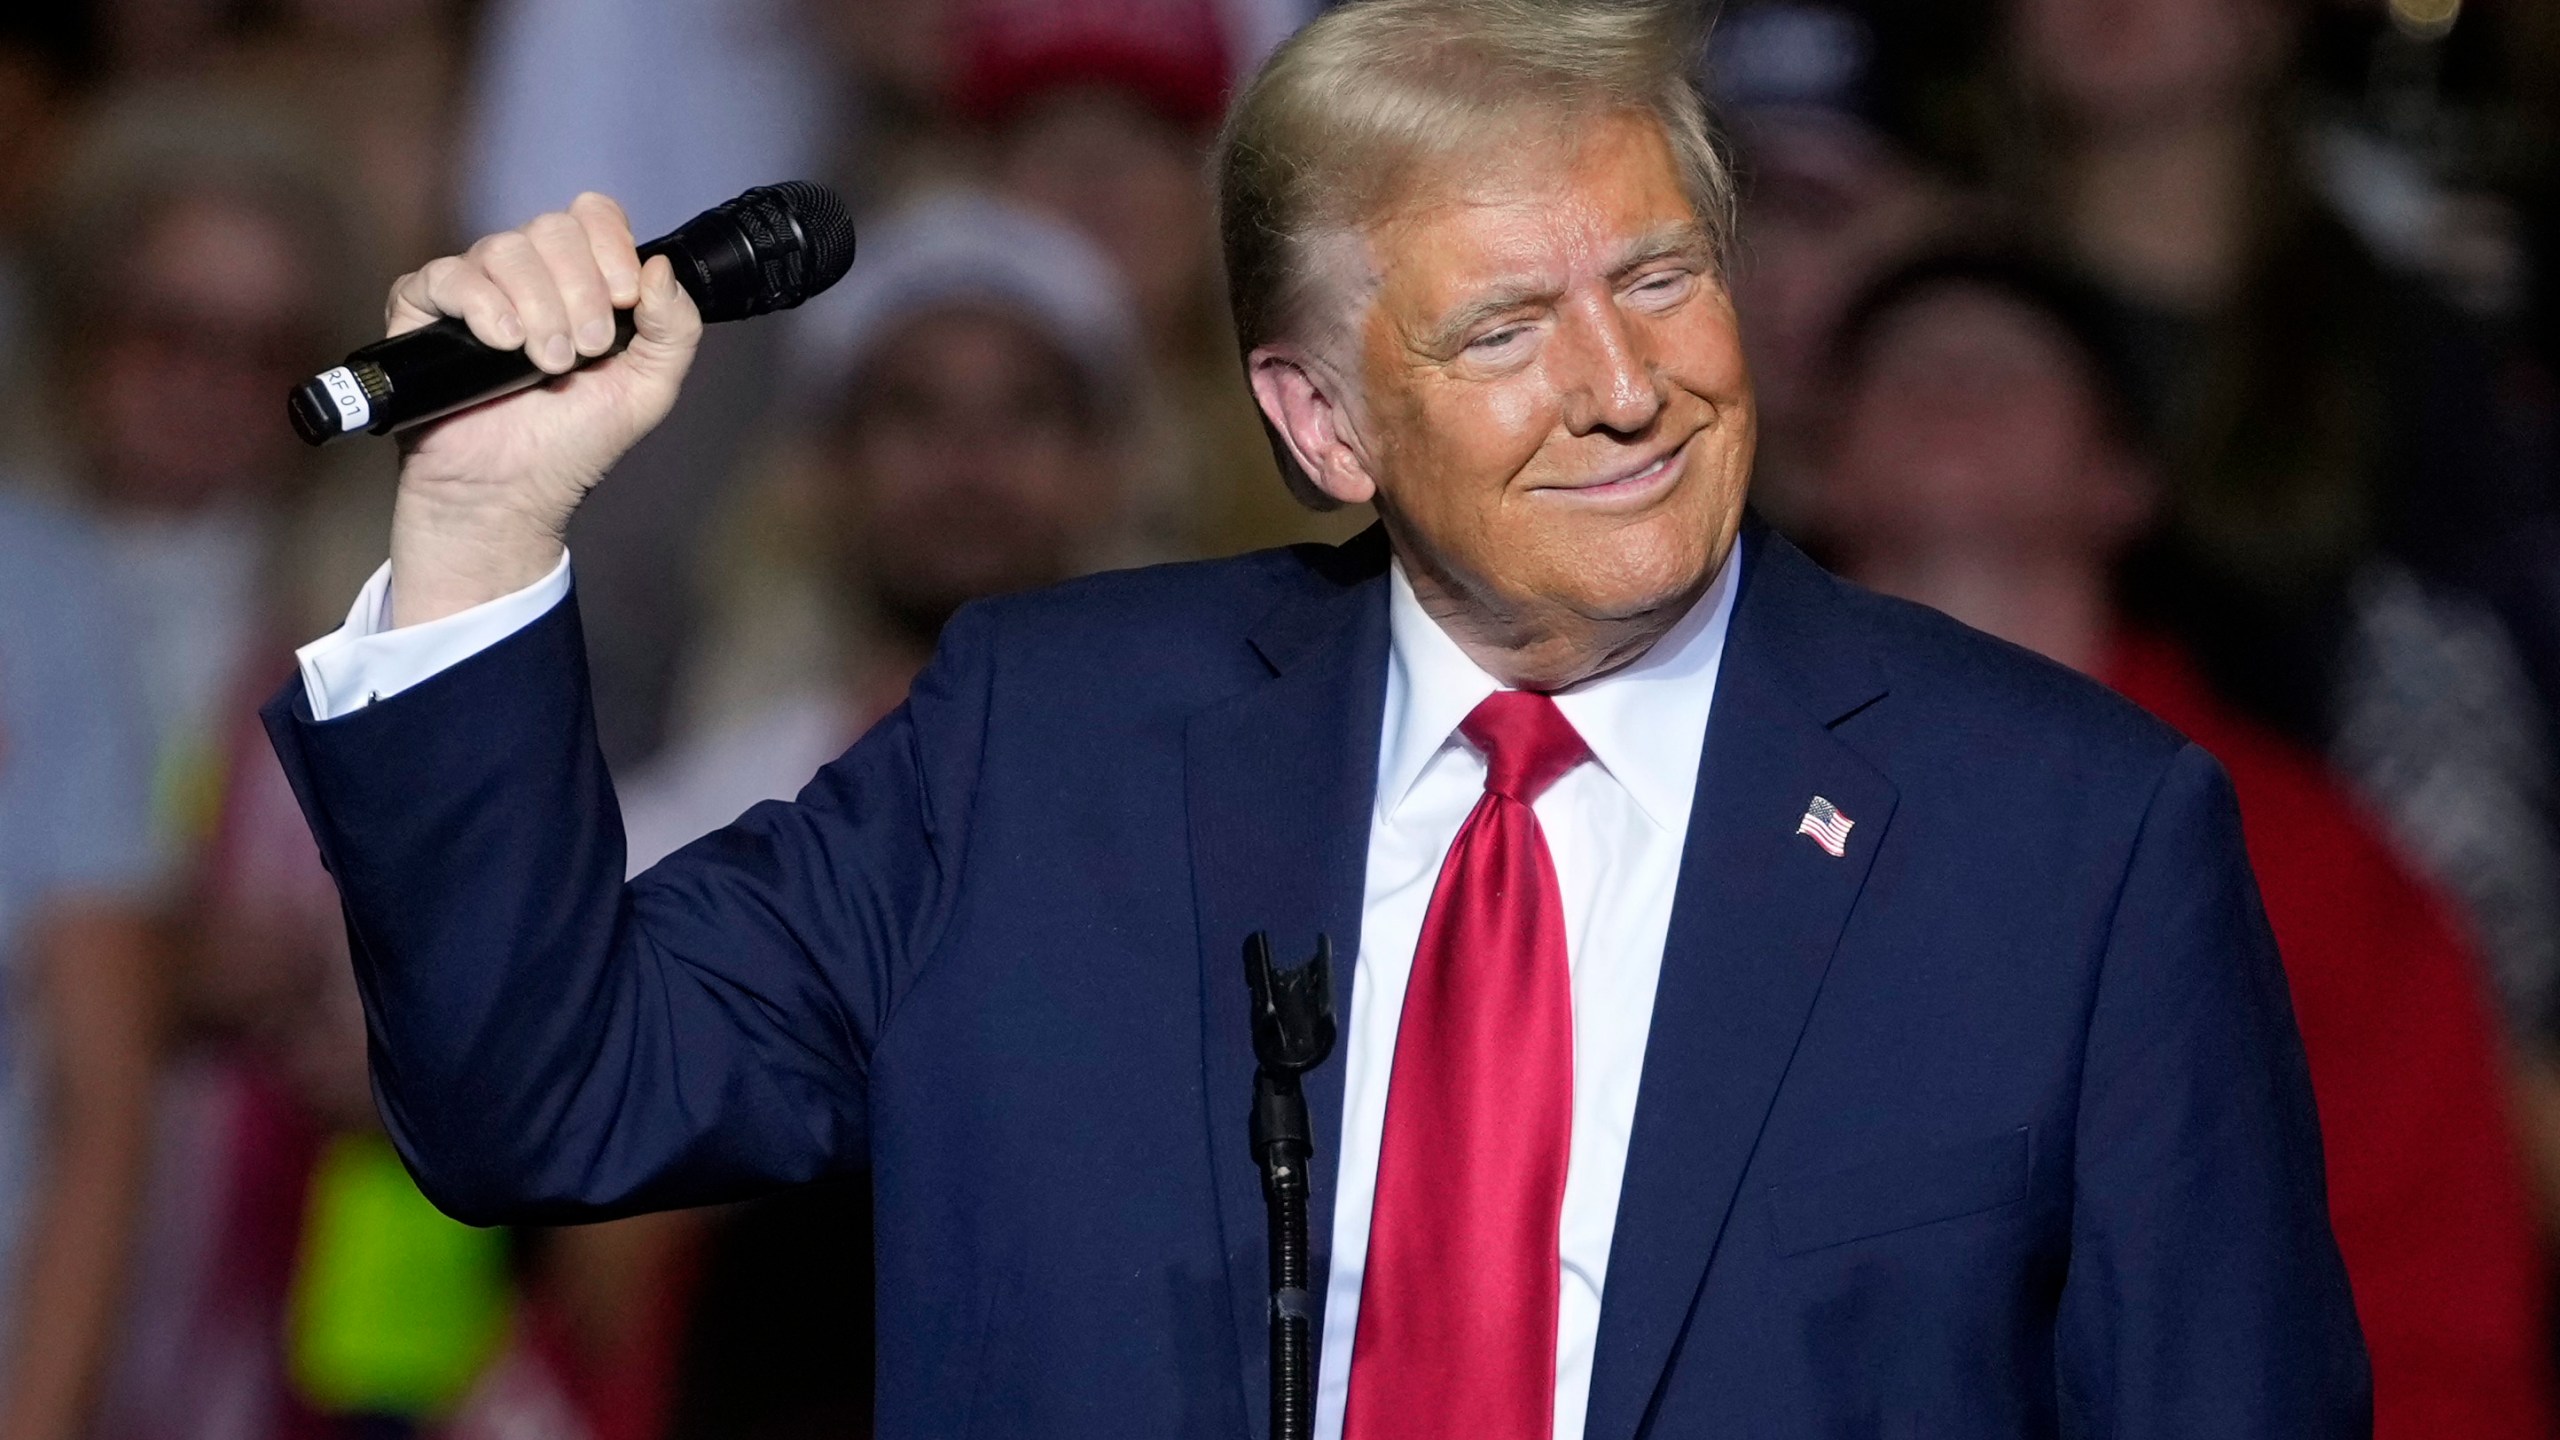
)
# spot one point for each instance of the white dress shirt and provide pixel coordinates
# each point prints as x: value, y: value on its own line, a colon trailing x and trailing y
x: 1615, y: 825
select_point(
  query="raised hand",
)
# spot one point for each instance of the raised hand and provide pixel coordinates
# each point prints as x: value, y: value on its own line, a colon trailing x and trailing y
x: 486, y: 493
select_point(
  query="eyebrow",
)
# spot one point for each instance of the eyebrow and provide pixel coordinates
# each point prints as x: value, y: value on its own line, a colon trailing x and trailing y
x: 1689, y: 239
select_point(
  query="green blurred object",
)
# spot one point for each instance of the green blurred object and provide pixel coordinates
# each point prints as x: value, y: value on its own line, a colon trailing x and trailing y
x: 396, y: 1309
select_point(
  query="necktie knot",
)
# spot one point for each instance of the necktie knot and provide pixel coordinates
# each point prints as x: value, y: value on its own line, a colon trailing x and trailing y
x: 1528, y: 745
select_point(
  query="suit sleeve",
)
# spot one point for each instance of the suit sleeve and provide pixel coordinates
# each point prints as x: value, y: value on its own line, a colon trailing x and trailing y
x: 552, y: 1044
x: 2204, y: 1296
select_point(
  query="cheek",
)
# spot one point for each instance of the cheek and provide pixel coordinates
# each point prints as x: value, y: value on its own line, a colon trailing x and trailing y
x: 1700, y: 351
x: 1462, y: 447
x: 1512, y: 418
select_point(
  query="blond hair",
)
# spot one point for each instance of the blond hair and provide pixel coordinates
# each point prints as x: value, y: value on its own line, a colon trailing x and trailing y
x: 1334, y: 129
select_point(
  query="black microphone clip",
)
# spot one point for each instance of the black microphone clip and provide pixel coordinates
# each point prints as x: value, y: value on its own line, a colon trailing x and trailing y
x: 1293, y: 1033
x: 1293, y: 1029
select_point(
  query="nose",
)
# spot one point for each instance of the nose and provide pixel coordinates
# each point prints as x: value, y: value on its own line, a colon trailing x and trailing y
x: 1607, y: 381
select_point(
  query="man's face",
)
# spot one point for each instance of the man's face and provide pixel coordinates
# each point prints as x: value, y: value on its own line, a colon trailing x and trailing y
x: 970, y: 467
x: 1972, y: 428
x: 1557, y: 416
x: 182, y: 369
x: 1830, y: 205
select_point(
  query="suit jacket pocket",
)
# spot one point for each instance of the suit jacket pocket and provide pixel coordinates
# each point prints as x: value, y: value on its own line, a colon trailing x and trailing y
x: 1899, y: 1192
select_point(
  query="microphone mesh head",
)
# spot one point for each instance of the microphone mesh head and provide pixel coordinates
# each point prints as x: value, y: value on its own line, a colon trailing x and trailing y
x: 767, y: 250
x: 827, y: 227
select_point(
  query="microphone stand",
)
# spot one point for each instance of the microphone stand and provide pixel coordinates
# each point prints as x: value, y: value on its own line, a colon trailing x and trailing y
x: 1293, y: 1032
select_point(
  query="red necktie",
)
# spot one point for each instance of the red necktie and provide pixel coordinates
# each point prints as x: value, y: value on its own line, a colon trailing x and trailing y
x: 1457, y: 1329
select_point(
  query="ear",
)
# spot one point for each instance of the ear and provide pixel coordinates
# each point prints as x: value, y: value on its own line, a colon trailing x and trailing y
x: 1309, y: 409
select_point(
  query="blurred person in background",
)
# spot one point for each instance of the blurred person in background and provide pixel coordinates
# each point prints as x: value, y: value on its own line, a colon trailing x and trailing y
x: 892, y: 61
x: 1988, y: 461
x: 971, y: 389
x: 1100, y: 112
x: 383, y: 76
x: 674, y: 105
x: 969, y: 393
x: 80, y: 972
x: 293, y: 1282
x: 199, y: 252
x: 1830, y: 197
x: 384, y: 79
x: 380, y: 77
x: 2348, y: 508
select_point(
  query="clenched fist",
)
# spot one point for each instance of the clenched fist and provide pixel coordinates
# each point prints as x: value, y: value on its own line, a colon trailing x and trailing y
x: 486, y: 493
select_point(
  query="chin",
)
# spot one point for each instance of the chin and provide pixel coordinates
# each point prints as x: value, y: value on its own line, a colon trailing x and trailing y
x: 1633, y: 570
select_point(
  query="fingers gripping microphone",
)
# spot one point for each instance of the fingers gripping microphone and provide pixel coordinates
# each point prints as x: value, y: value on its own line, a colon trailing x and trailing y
x: 769, y: 249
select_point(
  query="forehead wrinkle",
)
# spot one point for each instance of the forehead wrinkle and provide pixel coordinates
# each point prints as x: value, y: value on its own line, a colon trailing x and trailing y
x: 1534, y: 265
x: 1521, y: 270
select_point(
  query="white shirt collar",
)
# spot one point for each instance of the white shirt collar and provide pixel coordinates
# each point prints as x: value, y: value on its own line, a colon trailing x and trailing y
x: 1646, y: 723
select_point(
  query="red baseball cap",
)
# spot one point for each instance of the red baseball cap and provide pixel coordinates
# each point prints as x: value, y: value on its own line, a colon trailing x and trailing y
x: 1171, y: 54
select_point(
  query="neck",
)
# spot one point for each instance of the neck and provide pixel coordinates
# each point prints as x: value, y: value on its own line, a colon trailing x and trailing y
x: 2160, y: 208
x: 2059, y: 605
x: 1538, y: 646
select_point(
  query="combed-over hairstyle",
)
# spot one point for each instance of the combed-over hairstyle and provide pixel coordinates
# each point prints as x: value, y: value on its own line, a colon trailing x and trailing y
x: 1332, y: 132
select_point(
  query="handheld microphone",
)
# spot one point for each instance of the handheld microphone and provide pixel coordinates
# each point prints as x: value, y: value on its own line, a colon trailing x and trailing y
x: 769, y: 249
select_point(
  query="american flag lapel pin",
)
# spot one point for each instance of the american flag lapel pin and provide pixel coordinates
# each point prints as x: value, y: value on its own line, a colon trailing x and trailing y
x: 1828, y: 827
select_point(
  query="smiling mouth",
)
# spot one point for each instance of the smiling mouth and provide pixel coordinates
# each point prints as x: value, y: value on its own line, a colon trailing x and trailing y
x: 1655, y: 474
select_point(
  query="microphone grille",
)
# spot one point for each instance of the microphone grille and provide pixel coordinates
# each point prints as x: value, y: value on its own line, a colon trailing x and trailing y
x: 767, y: 250
x: 825, y: 225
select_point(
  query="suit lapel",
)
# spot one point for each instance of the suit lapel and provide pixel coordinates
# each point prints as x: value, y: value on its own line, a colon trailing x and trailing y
x: 1758, y: 913
x: 1279, y: 783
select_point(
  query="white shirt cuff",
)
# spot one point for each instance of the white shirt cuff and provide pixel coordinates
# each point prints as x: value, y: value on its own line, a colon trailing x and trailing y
x: 365, y: 660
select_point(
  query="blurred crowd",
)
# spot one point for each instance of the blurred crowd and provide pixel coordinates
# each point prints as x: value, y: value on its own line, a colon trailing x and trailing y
x: 2209, y: 347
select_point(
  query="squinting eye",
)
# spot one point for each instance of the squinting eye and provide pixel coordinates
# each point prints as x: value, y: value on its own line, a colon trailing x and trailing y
x: 1495, y: 340
x: 1663, y: 284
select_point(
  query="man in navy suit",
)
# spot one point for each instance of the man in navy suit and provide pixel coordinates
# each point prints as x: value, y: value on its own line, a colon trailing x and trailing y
x: 1777, y: 1011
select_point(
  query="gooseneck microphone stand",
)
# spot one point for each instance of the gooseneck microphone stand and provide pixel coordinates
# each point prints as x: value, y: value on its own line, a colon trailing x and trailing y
x: 1293, y: 1032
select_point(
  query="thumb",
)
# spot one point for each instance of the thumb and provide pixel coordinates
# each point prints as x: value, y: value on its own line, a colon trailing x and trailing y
x: 665, y: 325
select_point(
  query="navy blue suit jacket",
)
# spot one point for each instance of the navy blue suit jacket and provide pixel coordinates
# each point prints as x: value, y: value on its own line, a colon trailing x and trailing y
x: 1997, y: 1126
